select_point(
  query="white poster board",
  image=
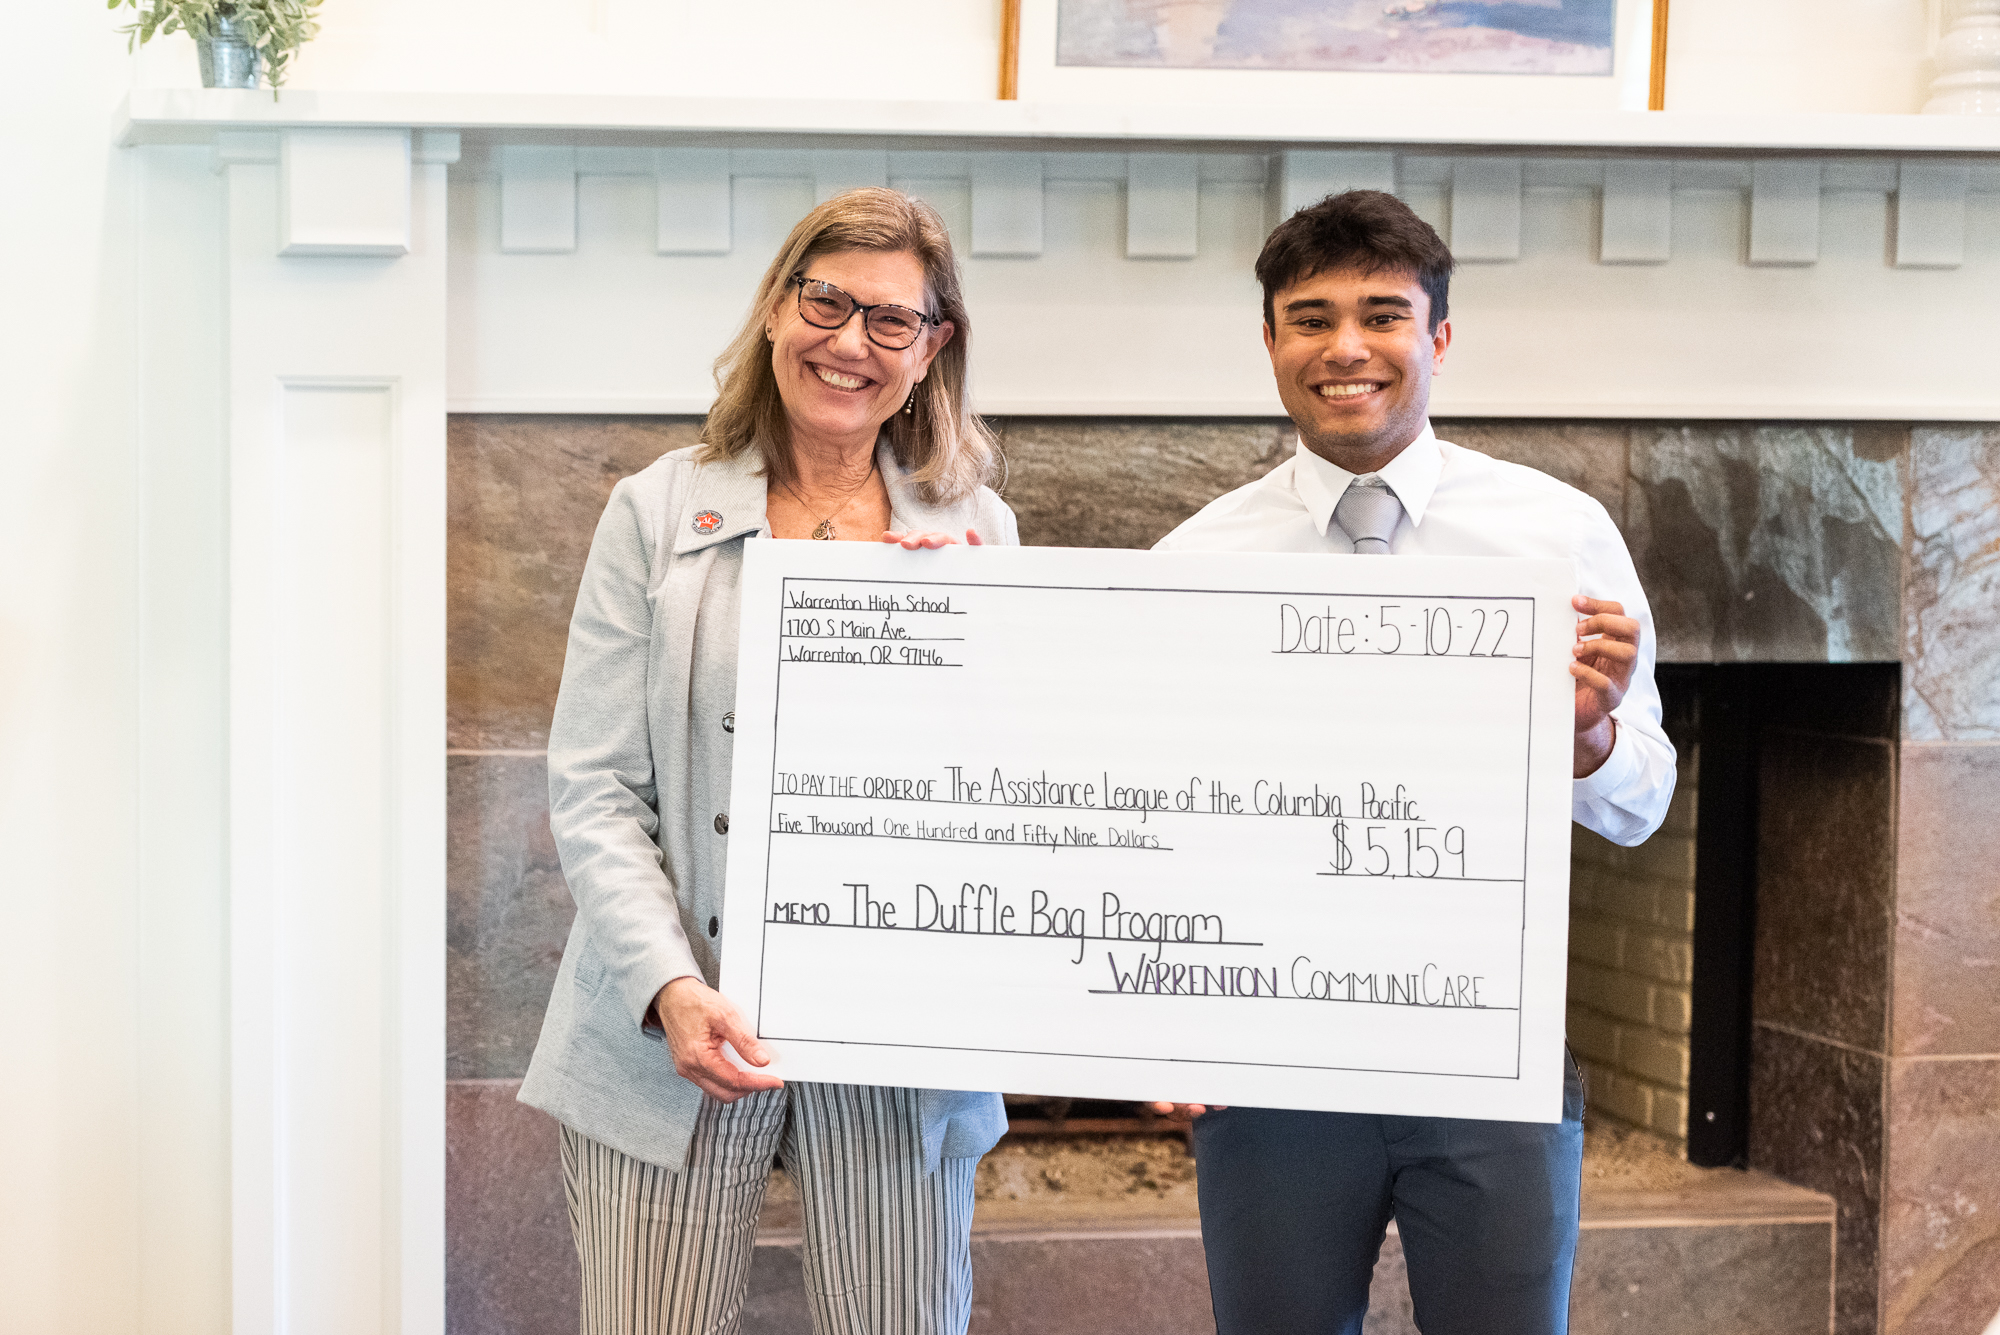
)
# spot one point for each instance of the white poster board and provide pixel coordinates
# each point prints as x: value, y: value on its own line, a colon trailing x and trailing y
x: 1275, y: 830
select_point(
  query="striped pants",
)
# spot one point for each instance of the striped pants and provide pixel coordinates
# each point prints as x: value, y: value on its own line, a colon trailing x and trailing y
x: 887, y: 1246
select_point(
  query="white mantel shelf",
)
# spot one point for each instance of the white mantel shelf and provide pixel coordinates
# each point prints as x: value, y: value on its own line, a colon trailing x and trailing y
x: 181, y: 116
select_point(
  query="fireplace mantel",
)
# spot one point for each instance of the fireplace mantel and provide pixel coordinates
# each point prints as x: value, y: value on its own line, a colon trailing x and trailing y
x: 600, y: 244
x: 389, y: 258
x: 160, y: 115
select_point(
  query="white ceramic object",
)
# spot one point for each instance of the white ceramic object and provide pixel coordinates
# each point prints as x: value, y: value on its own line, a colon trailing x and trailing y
x: 1968, y: 59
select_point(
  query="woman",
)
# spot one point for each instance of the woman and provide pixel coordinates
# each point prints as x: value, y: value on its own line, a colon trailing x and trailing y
x: 841, y: 415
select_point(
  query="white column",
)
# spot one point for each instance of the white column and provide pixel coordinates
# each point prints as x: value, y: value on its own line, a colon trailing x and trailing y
x: 336, y: 418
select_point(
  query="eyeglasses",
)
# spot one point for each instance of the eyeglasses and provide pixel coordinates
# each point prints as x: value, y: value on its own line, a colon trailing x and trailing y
x: 825, y: 306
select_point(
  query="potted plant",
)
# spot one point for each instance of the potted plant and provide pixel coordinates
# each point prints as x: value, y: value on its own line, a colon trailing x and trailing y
x: 232, y: 37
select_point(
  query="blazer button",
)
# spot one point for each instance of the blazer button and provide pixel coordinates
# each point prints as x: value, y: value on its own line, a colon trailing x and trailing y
x: 729, y: 721
x: 714, y: 926
x: 722, y: 824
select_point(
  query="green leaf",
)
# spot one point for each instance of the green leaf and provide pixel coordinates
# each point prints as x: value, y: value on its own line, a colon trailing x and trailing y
x: 277, y: 28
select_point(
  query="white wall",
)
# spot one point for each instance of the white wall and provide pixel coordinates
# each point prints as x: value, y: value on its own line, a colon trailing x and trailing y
x: 113, y: 1182
x: 921, y: 49
x: 1800, y: 55
x: 1724, y: 55
x: 69, y: 1119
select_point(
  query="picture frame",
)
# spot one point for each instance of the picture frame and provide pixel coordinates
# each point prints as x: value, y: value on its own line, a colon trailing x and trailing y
x: 1031, y: 71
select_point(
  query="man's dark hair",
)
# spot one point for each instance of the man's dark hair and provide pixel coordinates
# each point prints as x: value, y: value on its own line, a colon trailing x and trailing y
x: 1361, y: 229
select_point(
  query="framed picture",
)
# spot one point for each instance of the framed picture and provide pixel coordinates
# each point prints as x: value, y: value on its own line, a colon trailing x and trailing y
x: 1582, y: 55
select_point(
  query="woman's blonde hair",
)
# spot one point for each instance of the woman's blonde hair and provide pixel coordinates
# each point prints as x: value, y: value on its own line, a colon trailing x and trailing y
x: 947, y: 449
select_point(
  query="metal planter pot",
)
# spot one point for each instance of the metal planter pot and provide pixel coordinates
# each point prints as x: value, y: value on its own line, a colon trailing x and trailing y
x: 228, y: 60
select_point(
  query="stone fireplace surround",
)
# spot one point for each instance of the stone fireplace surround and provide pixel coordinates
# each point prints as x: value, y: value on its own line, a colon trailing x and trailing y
x: 368, y: 287
x: 1832, y: 935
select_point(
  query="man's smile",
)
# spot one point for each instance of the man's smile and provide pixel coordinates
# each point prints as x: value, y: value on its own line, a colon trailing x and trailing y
x: 1351, y: 389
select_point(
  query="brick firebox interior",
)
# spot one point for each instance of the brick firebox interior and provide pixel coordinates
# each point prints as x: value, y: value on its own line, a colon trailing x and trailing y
x: 1631, y: 956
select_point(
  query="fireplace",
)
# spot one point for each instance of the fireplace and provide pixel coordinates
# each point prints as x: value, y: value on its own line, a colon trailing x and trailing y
x: 389, y: 260
x: 1705, y: 964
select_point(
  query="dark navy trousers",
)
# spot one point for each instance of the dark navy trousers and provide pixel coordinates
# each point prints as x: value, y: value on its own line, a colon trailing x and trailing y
x: 1294, y: 1207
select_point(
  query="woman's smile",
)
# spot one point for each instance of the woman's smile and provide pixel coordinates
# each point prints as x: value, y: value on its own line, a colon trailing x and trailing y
x: 845, y: 381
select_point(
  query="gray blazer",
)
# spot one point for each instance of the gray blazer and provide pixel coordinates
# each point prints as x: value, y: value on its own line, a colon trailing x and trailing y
x: 639, y: 765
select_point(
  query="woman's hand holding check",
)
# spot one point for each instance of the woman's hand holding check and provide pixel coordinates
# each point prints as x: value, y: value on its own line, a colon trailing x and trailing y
x: 697, y: 1021
x: 913, y: 540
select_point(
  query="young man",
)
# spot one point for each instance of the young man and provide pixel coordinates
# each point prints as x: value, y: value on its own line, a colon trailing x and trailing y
x: 1294, y: 1205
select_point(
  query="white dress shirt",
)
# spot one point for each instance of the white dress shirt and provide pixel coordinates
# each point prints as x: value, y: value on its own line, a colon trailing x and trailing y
x: 1458, y: 502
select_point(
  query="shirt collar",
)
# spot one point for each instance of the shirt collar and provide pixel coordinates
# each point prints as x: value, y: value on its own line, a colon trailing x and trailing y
x: 1412, y: 475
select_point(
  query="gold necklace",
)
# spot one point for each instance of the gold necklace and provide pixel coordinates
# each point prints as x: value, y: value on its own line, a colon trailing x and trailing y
x: 825, y: 531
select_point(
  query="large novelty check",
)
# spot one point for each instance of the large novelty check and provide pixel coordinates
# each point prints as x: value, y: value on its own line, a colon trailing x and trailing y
x: 1280, y: 830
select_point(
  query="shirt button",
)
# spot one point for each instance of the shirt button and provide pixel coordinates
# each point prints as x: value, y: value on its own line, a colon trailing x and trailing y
x: 722, y: 824
x: 729, y: 721
x: 714, y: 926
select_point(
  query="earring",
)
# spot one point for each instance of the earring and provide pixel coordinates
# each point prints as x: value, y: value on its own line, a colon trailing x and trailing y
x: 910, y: 405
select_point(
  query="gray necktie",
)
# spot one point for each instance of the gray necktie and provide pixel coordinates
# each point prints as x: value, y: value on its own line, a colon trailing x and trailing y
x: 1367, y: 512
